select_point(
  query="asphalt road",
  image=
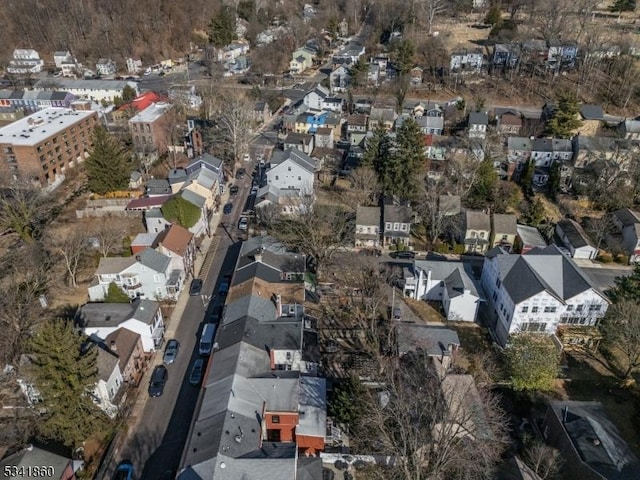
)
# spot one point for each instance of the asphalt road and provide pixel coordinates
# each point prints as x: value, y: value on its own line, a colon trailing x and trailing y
x: 156, y: 446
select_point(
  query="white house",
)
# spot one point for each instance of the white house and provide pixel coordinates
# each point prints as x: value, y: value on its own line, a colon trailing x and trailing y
x: 451, y: 283
x: 478, y: 123
x: 106, y: 67
x: 465, y: 61
x: 25, y: 61
x: 147, y: 275
x: 575, y: 239
x: 546, y: 151
x: 537, y: 292
x: 293, y: 170
x: 143, y: 317
x: 339, y: 79
x: 232, y: 51
x: 109, y: 380
x: 96, y: 90
x: 627, y: 224
x: 367, y: 226
x: 315, y: 97
x: 134, y: 65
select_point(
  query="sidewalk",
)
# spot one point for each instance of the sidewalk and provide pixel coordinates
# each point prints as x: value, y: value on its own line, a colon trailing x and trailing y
x: 586, y: 263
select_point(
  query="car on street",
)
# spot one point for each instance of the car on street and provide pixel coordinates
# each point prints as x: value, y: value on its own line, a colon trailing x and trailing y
x: 228, y: 208
x: 195, y: 287
x: 404, y: 254
x: 254, y: 190
x: 223, y: 289
x: 158, y: 381
x: 243, y: 223
x: 240, y: 173
x: 124, y: 471
x: 246, y: 157
x: 215, y: 314
x: 233, y: 190
x: 195, y: 377
x: 171, y: 351
x: 397, y: 313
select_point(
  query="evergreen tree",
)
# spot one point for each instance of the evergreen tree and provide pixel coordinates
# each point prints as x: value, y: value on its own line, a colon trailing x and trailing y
x: 375, y: 147
x: 526, y: 178
x: 565, y: 118
x: 108, y: 166
x: 65, y: 376
x: 179, y: 210
x: 222, y: 28
x: 404, y: 56
x: 346, y: 403
x: 128, y: 94
x: 410, y: 159
x: 494, y: 15
x: 359, y: 73
x: 553, y: 184
x: 623, y: 6
x: 484, y: 190
x: 627, y: 287
x: 116, y: 295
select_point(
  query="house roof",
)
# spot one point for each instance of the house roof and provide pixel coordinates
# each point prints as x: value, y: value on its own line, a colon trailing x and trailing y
x: 106, y: 362
x: 142, y: 101
x: 531, y: 236
x: 147, y: 203
x: 36, y: 457
x: 509, y: 116
x: 154, y: 260
x: 504, y: 224
x: 519, y: 143
x: 357, y: 119
x: 397, y: 214
x: 113, y: 314
x: 574, y: 233
x: 114, y: 265
x: 207, y: 161
x: 125, y: 342
x: 177, y: 239
x: 592, y: 112
x: 192, y: 197
x: 157, y: 186
x: 368, y: 216
x: 595, y: 144
x: 145, y: 239
x: 382, y: 114
x: 478, y: 118
x: 477, y: 220
x: 301, y: 159
x: 294, y: 138
x: 585, y: 422
x: 627, y: 216
x: 433, y: 340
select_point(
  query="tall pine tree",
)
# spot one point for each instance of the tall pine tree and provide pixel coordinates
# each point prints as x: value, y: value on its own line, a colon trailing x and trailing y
x: 108, y: 166
x: 410, y: 159
x: 565, y: 119
x: 222, y: 28
x: 65, y: 376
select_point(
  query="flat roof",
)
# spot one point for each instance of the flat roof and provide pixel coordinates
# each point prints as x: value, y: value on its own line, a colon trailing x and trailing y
x: 151, y: 113
x: 41, y: 125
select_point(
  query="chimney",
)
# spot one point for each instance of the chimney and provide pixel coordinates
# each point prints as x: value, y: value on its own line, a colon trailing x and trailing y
x: 113, y: 346
x: 279, y: 304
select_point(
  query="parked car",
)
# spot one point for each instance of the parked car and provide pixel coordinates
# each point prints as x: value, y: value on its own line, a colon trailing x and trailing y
x: 171, y: 351
x: 158, y: 381
x: 246, y: 157
x: 214, y: 316
x: 404, y: 254
x: 223, y: 289
x: 240, y: 173
x: 195, y: 377
x: 124, y: 471
x: 195, y: 287
x: 233, y: 190
x: 243, y: 223
x: 397, y: 313
x: 228, y: 208
x: 254, y: 190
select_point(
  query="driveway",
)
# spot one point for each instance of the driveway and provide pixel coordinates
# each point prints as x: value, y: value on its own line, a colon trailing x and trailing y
x: 604, y: 278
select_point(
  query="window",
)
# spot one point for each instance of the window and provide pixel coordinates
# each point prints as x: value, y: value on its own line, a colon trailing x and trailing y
x: 525, y: 309
x: 299, y: 178
x: 594, y: 308
x: 277, y: 178
x: 498, y: 282
x: 403, y: 227
x: 396, y: 226
x: 569, y: 308
x: 388, y: 226
x: 534, y: 309
x: 275, y: 419
x: 495, y: 296
x: 579, y: 308
x: 288, y: 169
x: 533, y: 327
x: 549, y: 309
x: 504, y: 238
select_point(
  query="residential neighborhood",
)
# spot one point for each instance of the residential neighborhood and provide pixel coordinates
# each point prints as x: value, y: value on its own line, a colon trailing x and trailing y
x: 254, y: 240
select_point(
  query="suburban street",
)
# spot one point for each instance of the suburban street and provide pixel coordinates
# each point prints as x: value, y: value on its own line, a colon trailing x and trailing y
x: 156, y: 444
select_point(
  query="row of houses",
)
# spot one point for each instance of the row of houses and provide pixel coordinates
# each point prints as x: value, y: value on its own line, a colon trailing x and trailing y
x: 263, y: 405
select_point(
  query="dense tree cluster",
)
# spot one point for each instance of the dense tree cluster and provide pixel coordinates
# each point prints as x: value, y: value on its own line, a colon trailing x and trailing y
x: 109, y: 164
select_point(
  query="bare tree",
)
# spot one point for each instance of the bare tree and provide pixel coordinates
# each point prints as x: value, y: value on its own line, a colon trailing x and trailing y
x: 622, y: 333
x: 433, y: 425
x: 551, y: 18
x: 543, y: 459
x: 72, y: 247
x: 599, y: 228
x: 432, y: 8
x: 23, y: 210
x: 433, y: 217
x: 109, y: 235
x: 366, y: 186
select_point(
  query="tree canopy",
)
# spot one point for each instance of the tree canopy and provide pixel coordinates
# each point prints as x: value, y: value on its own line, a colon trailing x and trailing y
x: 65, y: 377
x: 627, y: 287
x: 222, y: 28
x: 623, y: 6
x: 347, y: 401
x: 621, y: 328
x: 109, y: 165
x: 179, y: 210
x: 116, y: 295
x: 565, y: 119
x: 484, y: 190
x: 404, y: 56
x: 532, y: 360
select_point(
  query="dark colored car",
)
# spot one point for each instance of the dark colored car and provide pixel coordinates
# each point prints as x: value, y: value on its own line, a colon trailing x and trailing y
x: 195, y: 377
x: 223, y: 289
x: 397, y: 313
x: 171, y: 351
x: 158, y: 381
x: 124, y: 471
x: 240, y: 173
x: 228, y: 208
x: 234, y: 189
x: 196, y: 286
x: 405, y: 254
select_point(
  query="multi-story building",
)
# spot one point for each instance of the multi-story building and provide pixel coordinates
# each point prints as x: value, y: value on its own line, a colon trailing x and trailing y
x: 537, y: 292
x: 31, y: 101
x: 43, y: 145
x: 150, y: 129
x: 106, y: 67
x: 25, y: 61
x: 465, y: 61
x: 96, y: 90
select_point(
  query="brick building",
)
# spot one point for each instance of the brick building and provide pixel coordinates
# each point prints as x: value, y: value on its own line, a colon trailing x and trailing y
x: 151, y: 129
x: 42, y: 145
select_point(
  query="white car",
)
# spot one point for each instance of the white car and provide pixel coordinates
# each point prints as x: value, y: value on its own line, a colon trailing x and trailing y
x: 243, y: 223
x: 254, y: 190
x: 246, y: 157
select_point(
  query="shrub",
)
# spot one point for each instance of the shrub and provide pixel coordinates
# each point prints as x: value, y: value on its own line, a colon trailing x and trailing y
x: 604, y: 258
x: 458, y: 248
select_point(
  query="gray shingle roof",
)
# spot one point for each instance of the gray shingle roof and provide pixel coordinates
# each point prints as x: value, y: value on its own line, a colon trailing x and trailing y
x: 192, y: 197
x: 36, y: 457
x: 433, y: 340
x: 302, y: 159
x: 397, y: 214
x: 627, y: 216
x: 368, y: 216
x: 592, y: 112
x: 574, y: 233
x: 478, y: 118
x: 477, y: 221
x: 504, y: 224
x: 154, y: 260
x: 113, y: 314
x: 531, y: 236
x: 113, y: 265
x: 259, y: 308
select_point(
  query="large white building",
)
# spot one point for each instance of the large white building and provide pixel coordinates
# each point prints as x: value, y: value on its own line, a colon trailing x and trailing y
x: 537, y: 292
x: 25, y: 61
x: 451, y: 283
x: 96, y: 90
x: 292, y: 170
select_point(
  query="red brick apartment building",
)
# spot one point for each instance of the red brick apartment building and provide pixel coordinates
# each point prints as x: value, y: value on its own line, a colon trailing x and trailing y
x: 44, y: 144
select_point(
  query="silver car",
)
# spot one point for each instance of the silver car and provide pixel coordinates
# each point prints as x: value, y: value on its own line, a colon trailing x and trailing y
x: 171, y: 351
